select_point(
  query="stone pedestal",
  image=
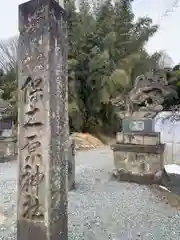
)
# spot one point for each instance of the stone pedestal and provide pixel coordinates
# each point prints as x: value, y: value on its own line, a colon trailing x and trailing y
x: 43, y: 132
x: 138, y: 157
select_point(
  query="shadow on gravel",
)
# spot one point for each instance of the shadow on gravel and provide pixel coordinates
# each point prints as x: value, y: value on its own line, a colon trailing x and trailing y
x: 170, y: 181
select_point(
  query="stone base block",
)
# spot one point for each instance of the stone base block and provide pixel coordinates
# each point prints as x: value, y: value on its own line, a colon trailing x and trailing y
x: 139, y: 159
x: 138, y: 163
x: 138, y: 138
x: 145, y: 179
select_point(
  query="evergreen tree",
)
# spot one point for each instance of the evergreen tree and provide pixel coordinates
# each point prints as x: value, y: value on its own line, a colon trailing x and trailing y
x: 106, y: 53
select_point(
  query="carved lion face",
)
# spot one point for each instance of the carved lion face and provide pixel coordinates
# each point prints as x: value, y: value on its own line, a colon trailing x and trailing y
x: 150, y: 90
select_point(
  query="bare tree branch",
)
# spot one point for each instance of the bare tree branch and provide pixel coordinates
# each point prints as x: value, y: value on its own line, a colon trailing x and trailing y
x: 165, y: 60
x: 173, y: 115
x: 8, y: 53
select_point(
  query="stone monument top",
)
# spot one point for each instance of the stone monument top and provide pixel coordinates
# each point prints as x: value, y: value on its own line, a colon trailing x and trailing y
x: 141, y: 126
x: 147, y: 96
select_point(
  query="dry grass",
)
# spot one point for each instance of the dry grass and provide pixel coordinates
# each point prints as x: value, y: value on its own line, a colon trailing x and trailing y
x: 86, y: 141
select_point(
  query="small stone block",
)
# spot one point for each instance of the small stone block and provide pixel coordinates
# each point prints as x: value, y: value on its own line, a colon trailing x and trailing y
x: 138, y: 125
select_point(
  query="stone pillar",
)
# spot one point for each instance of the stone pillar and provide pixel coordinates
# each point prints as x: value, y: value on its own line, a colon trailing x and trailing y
x: 71, y: 166
x: 43, y: 122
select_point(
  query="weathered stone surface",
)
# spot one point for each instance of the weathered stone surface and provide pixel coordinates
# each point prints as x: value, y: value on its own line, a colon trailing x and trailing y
x: 43, y: 121
x: 138, y: 162
x: 151, y: 139
x: 138, y: 157
x: 139, y: 148
x: 148, y: 94
x: 131, y: 125
x: 71, y: 166
x: 145, y: 179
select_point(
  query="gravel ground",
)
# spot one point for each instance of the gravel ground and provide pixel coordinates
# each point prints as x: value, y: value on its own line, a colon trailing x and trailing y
x: 100, y: 209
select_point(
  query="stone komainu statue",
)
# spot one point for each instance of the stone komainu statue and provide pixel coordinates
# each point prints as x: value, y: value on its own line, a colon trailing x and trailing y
x: 148, y: 94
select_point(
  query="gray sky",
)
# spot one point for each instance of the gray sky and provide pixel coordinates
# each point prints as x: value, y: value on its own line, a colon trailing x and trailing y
x: 168, y: 37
